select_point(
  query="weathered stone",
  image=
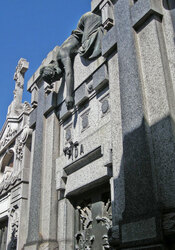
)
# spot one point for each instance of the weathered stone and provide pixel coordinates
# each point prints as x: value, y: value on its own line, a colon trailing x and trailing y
x: 109, y: 42
x: 101, y: 174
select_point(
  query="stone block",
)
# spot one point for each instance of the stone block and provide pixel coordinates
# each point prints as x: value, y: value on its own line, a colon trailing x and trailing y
x: 33, y: 117
x: 142, y: 9
x: 140, y: 230
x: 5, y: 203
x: 50, y: 102
x: 109, y: 42
x: 81, y: 94
x: 85, y: 68
x: 64, y: 113
x: 89, y: 176
x: 83, y: 161
x: 100, y: 77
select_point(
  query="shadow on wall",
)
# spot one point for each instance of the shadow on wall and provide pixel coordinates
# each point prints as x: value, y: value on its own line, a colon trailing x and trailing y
x: 145, y: 186
x: 169, y: 4
x: 13, y: 242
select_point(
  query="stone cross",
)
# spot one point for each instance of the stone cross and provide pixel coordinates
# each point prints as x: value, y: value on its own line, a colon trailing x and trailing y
x: 21, y: 68
x: 16, y: 106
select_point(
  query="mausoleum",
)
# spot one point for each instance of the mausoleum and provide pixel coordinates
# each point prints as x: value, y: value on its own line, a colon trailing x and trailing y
x: 90, y: 162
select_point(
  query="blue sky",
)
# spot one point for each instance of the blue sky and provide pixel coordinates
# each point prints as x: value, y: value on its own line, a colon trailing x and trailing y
x: 30, y: 29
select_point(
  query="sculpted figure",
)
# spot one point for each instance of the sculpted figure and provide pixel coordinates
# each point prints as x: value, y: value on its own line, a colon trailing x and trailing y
x: 85, y: 40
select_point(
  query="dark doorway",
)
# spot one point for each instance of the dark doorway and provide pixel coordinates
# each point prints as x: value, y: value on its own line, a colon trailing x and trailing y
x: 3, y: 234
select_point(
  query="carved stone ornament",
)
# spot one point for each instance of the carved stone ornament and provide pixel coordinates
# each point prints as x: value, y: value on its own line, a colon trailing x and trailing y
x: 105, y: 106
x: 106, y: 221
x: 84, y: 242
x: 85, y: 121
x: 68, y: 134
x: 85, y: 216
x: 85, y: 238
x: 11, y: 132
x: 68, y: 151
x: 26, y: 107
x: 21, y: 140
x: 20, y: 70
x: 9, y: 179
x: 14, y: 227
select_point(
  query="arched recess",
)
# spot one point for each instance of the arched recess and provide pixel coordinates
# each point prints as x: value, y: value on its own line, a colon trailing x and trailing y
x: 7, y: 161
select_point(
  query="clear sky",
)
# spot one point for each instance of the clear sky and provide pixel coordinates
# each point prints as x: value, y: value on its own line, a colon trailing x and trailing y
x: 31, y: 29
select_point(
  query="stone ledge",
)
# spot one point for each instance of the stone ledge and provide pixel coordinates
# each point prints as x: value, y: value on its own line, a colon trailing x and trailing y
x: 109, y: 42
x: 81, y: 162
x: 141, y: 11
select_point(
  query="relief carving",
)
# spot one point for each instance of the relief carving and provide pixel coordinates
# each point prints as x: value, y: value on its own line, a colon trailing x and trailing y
x: 14, y: 228
x: 85, y: 238
x: 93, y: 229
x: 21, y: 140
x: 106, y: 220
x: 85, y: 216
x: 84, y: 242
x: 8, y: 136
x: 9, y: 179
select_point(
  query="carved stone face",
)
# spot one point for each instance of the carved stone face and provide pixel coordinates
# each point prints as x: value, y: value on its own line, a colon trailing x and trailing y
x: 49, y: 74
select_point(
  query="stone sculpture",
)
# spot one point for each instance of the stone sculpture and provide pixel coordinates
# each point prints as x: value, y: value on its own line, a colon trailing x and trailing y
x: 85, y: 40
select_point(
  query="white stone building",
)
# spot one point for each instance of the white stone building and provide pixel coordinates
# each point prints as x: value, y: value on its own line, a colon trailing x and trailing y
x: 100, y: 175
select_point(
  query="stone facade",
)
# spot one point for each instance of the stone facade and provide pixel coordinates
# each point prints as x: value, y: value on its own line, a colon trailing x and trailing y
x: 100, y: 175
x: 15, y: 151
